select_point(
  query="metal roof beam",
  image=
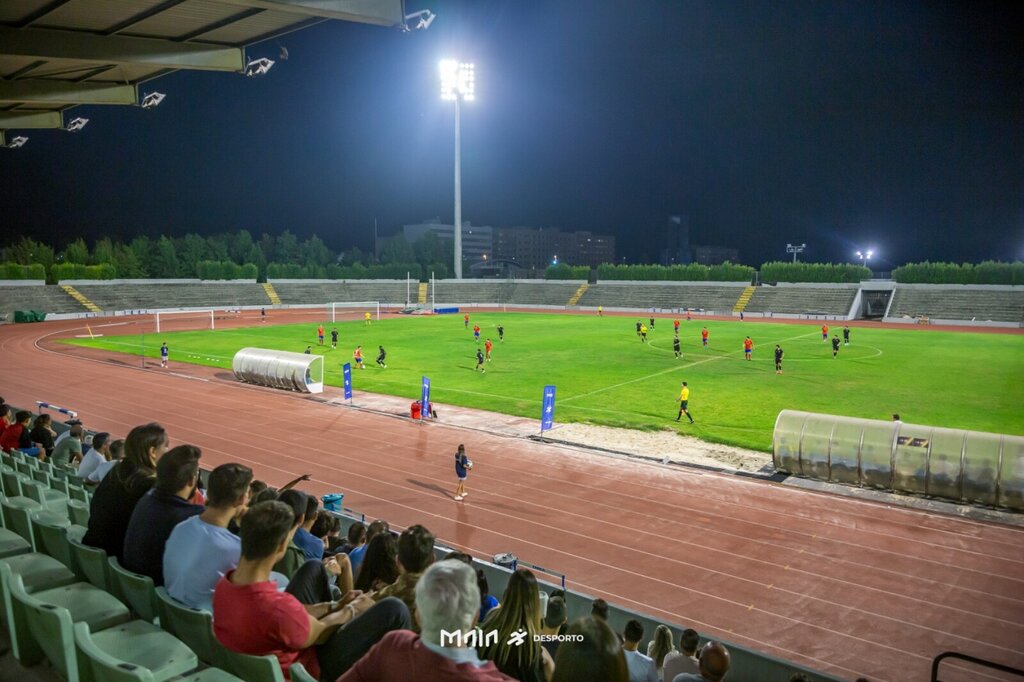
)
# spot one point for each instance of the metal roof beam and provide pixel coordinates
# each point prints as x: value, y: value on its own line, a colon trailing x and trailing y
x: 13, y: 120
x: 64, y: 92
x: 37, y: 43
x: 380, y: 12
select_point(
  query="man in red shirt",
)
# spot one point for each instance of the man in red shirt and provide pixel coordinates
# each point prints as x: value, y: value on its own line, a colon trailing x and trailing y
x: 748, y: 347
x: 252, y: 617
x: 487, y: 347
x: 465, y: 320
x: 447, y: 607
x: 824, y: 332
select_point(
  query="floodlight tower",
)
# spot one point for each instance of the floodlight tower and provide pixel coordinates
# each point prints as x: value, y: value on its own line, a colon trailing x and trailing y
x: 458, y: 84
x: 795, y: 249
x: 865, y: 256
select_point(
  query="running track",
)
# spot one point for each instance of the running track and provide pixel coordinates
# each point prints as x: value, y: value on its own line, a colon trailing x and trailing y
x: 847, y: 586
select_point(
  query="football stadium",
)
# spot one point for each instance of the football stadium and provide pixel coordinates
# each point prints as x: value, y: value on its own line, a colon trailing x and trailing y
x: 654, y: 448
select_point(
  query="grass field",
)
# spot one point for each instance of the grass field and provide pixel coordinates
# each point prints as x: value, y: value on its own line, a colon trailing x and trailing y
x: 605, y: 375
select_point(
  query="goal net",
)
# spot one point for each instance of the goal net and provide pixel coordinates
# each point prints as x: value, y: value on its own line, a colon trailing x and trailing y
x: 184, y: 320
x: 353, y: 310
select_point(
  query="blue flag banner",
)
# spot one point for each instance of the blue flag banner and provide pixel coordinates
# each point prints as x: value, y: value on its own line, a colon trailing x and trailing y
x: 346, y: 373
x: 425, y: 397
x: 547, y: 413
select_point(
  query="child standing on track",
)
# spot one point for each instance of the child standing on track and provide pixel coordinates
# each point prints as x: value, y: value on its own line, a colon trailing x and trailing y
x: 164, y: 352
x: 462, y: 466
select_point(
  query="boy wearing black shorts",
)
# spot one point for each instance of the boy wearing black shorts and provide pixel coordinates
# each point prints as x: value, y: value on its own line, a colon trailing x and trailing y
x: 835, y: 346
x: 501, y: 333
x: 480, y: 360
x: 778, y: 359
x: 675, y: 346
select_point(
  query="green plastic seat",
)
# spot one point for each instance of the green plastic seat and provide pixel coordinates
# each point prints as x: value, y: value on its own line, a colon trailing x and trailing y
x: 107, y: 655
x: 23, y: 466
x: 16, y: 512
x: 78, y: 493
x: 43, y: 620
x: 44, y: 466
x: 48, y: 529
x: 38, y: 572
x: 90, y: 563
x: 75, y: 533
x: 300, y: 674
x: 45, y: 495
x: 192, y: 626
x: 250, y: 668
x: 12, y: 544
x: 134, y: 589
x: 42, y: 476
x: 78, y: 512
x: 12, y: 481
x: 208, y: 675
x: 59, y: 485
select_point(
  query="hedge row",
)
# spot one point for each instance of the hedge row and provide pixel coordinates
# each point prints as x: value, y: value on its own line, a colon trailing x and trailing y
x: 563, y: 271
x: 15, y: 271
x: 357, y: 271
x: 694, y: 272
x: 783, y: 271
x: 986, y: 272
x: 221, y: 269
x: 61, y: 271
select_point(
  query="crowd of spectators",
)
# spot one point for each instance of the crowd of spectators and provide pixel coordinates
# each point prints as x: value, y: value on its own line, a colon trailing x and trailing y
x: 279, y: 578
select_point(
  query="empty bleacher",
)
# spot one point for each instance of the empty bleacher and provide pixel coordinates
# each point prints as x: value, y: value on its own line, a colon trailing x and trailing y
x: 47, y: 298
x: 717, y: 297
x: 959, y: 303
x: 187, y: 294
x: 542, y: 293
x: 449, y: 291
x: 802, y: 300
x: 294, y: 292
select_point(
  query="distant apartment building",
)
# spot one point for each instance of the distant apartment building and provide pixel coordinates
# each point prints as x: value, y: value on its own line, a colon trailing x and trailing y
x: 531, y: 248
x: 714, y: 255
x: 477, y: 240
x: 676, y: 241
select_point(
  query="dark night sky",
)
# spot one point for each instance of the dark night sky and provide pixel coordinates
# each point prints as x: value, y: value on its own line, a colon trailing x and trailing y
x: 898, y: 125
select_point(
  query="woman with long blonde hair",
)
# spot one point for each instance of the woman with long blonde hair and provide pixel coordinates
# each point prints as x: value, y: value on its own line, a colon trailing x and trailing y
x: 660, y: 646
x: 519, y: 612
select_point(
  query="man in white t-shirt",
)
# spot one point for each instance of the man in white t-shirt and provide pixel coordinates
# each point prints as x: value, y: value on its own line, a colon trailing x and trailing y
x: 641, y: 668
x: 101, y: 470
x: 97, y: 454
x: 684, y: 660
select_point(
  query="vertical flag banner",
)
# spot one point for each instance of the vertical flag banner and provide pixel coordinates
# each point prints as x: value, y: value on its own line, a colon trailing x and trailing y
x: 547, y: 414
x: 425, y: 398
x: 346, y: 373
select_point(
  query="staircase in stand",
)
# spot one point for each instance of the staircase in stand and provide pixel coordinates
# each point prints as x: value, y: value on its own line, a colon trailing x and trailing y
x: 78, y: 296
x: 579, y: 294
x: 744, y: 299
x: 422, y: 295
x: 271, y: 293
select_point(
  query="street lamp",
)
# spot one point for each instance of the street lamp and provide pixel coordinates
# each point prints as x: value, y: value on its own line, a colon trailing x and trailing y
x: 865, y: 256
x: 795, y: 249
x: 458, y: 83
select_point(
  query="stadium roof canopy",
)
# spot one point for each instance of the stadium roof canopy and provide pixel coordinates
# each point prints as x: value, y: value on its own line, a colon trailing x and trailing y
x: 55, y: 54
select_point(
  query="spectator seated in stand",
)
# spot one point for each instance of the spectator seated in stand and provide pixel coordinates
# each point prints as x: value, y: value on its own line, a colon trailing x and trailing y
x: 446, y: 601
x: 103, y: 468
x: 43, y: 434
x: 68, y: 451
x: 201, y: 549
x: 6, y: 419
x: 659, y: 647
x: 519, y: 611
x: 16, y: 437
x: 357, y: 553
x: 97, y: 455
x: 121, y: 489
x: 66, y: 434
x: 487, y: 600
x: 415, y: 553
x: 328, y: 529
x: 380, y: 565
x: 596, y: 656
x: 160, y: 510
x: 554, y: 619
x: 714, y: 664
x: 685, y: 659
x: 641, y: 667
x: 311, y: 546
x: 355, y: 538
x: 251, y: 617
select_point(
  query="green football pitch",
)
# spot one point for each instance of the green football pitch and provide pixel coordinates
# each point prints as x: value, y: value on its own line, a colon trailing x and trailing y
x: 605, y: 375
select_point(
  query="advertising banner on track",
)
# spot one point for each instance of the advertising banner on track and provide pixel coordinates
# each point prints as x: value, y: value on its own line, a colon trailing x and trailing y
x: 547, y: 411
x: 346, y: 373
x: 425, y: 397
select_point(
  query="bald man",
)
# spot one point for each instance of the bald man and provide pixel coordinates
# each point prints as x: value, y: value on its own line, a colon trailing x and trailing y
x: 714, y: 664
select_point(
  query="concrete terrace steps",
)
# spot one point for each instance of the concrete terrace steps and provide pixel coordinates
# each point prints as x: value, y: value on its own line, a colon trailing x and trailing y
x: 579, y: 294
x: 959, y: 304
x: 802, y: 300
x: 741, y: 302
x: 695, y: 295
x: 271, y: 293
x: 48, y: 298
x: 77, y: 295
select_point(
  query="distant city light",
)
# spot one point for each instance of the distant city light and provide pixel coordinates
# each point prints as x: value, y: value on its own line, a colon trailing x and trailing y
x: 554, y: 261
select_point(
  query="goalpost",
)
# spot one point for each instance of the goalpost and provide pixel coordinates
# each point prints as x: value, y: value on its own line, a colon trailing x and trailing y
x: 203, y: 315
x: 342, y: 307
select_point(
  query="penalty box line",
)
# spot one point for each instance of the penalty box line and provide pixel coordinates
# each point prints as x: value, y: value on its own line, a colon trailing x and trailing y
x: 669, y: 371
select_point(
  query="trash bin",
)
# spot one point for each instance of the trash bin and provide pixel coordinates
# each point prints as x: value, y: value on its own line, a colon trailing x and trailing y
x: 414, y: 410
x: 332, y: 502
x: 506, y: 559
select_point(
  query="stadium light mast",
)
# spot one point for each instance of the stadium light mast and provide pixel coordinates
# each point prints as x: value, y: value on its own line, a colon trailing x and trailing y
x: 795, y: 249
x: 458, y: 84
x: 865, y: 256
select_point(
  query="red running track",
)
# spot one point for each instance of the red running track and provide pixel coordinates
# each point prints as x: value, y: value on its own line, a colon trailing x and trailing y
x: 847, y: 586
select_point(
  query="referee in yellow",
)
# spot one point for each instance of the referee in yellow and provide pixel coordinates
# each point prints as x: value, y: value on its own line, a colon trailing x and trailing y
x: 684, y: 399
